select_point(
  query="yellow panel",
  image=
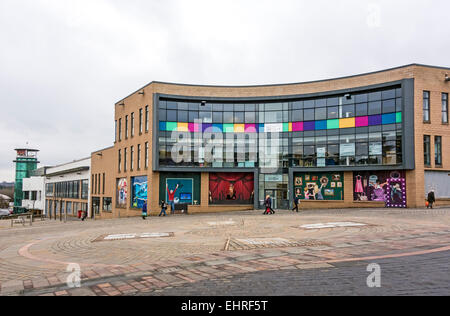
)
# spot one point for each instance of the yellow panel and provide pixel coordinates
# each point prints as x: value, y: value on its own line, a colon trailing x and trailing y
x: 347, y: 123
x: 239, y: 128
x: 290, y: 127
x: 183, y: 127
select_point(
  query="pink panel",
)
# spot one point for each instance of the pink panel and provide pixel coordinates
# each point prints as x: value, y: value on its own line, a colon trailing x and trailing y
x: 297, y: 127
x: 362, y: 121
x: 250, y: 128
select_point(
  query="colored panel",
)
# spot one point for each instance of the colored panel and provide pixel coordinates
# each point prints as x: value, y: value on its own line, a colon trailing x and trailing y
x: 290, y: 127
x: 347, y: 122
x: 332, y: 124
x: 261, y: 128
x: 375, y: 120
x: 390, y: 118
x: 193, y: 127
x: 183, y: 127
x: 250, y: 128
x: 217, y: 128
x: 285, y: 127
x: 309, y: 126
x: 171, y: 126
x: 399, y: 117
x: 273, y: 128
x: 228, y: 128
x: 162, y: 126
x: 362, y: 121
x: 206, y: 127
x: 321, y: 125
x: 297, y: 127
x: 239, y: 128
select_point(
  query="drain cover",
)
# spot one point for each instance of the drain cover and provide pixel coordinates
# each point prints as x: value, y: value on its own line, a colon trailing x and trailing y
x: 116, y: 237
x: 256, y: 243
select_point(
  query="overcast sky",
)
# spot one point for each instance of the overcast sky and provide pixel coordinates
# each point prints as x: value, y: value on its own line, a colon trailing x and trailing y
x: 64, y: 63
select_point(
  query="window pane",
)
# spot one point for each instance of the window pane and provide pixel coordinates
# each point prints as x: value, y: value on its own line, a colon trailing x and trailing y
x: 374, y: 108
x: 361, y: 109
x: 321, y: 114
x: 309, y: 115
x: 333, y: 112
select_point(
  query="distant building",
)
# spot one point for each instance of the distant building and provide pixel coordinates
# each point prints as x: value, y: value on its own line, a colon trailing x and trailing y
x: 26, y: 161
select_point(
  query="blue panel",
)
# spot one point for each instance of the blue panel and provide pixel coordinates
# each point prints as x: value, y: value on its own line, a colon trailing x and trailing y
x: 321, y: 125
x: 162, y: 126
x: 389, y: 118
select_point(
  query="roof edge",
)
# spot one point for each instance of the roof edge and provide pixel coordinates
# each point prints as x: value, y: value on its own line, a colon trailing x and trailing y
x: 281, y: 84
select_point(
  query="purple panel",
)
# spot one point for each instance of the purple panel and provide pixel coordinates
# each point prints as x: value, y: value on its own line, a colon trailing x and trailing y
x: 375, y: 120
x: 309, y: 126
x: 206, y: 126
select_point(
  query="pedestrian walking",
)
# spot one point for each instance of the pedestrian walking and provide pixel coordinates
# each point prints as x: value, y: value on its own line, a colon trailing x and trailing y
x: 431, y: 199
x: 296, y: 203
x: 163, y: 208
x: 144, y: 210
x: 268, y: 205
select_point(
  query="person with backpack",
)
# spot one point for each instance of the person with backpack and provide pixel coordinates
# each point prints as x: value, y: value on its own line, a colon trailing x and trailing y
x: 163, y: 208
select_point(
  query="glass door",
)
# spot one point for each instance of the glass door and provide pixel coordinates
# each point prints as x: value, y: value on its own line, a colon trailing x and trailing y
x: 279, y: 199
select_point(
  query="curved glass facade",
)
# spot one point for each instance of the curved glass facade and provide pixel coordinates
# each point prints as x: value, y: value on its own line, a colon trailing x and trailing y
x: 364, y: 128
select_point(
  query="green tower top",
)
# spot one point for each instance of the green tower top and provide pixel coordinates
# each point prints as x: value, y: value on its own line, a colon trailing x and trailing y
x: 26, y: 161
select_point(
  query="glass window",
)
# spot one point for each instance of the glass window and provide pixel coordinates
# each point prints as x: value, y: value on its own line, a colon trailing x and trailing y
x: 361, y: 109
x: 162, y: 104
x: 183, y: 116
x: 427, y: 150
x: 298, y: 105
x: 321, y: 114
x: 332, y: 101
x: 297, y: 115
x: 217, y: 117
x: 388, y: 94
x: 321, y: 103
x: 107, y: 204
x: 426, y: 106
x: 172, y: 105
x: 239, y: 117
x: 389, y: 106
x: 360, y: 98
x: 250, y: 117
x: 250, y: 107
x: 171, y: 115
x: 309, y: 104
x: 445, y: 108
x: 206, y: 117
x: 273, y: 117
x: 438, y: 150
x: 362, y: 149
x: 183, y: 106
x: 193, y: 116
x: 347, y: 111
x: 374, y: 108
x: 309, y: 115
x: 374, y: 96
x: 228, y: 117
x: 333, y: 112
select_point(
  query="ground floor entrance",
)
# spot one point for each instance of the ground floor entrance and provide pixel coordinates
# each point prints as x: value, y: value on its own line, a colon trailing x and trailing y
x: 280, y: 199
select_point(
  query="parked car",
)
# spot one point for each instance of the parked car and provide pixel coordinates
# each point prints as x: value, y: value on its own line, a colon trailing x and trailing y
x: 5, y: 213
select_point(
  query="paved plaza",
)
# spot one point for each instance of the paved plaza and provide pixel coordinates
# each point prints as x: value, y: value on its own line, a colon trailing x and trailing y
x: 314, y: 252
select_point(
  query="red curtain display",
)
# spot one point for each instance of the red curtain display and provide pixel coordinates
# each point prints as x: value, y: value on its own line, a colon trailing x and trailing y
x: 231, y: 188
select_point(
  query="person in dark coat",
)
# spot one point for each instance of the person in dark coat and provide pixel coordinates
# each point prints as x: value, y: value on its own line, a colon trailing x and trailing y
x: 431, y: 199
x: 144, y: 211
x: 268, y: 205
x: 296, y: 203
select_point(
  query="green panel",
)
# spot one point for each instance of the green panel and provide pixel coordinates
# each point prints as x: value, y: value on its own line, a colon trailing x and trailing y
x: 332, y: 124
x: 163, y: 176
x: 331, y: 190
x: 228, y: 128
x: 399, y: 117
x: 285, y: 127
x: 171, y: 126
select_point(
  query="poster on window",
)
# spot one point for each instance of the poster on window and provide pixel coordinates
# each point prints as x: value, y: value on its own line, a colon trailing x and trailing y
x: 347, y: 150
x: 231, y: 188
x: 122, y: 192
x: 372, y: 186
x: 180, y: 191
x: 139, y: 192
x: 396, y: 193
x: 376, y: 149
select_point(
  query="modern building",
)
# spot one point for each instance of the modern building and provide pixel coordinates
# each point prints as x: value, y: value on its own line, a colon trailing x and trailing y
x: 360, y: 141
x: 34, y: 191
x: 26, y: 161
x: 67, y: 189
